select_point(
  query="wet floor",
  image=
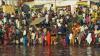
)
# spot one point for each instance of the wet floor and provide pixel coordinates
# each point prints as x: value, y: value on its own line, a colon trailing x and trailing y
x: 48, y: 51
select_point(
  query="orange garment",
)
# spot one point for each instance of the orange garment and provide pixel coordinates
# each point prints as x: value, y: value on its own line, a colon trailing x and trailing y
x: 75, y: 30
x: 48, y: 38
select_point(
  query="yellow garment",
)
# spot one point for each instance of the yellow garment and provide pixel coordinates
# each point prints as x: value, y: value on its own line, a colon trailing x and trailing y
x: 94, y: 20
x: 72, y: 39
x: 96, y: 15
x: 8, y: 9
x: 4, y: 8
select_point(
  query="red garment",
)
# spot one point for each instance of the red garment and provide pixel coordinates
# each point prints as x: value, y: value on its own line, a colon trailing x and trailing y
x: 8, y: 32
x: 1, y: 16
x: 83, y: 38
x: 48, y: 38
x: 87, y: 19
x: 93, y: 38
x: 0, y: 26
x: 6, y: 39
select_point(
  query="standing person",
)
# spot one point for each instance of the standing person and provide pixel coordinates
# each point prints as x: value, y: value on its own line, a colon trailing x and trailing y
x: 29, y: 38
x: 5, y: 38
x: 93, y: 38
x: 67, y: 39
x: 25, y: 38
x: 6, y: 35
x: 83, y: 39
x: 89, y: 39
x: 48, y: 36
x: 9, y: 32
x: 1, y: 35
x: 72, y: 39
x: 33, y: 37
x: 18, y: 35
x: 43, y: 38
x: 37, y: 38
x: 17, y: 23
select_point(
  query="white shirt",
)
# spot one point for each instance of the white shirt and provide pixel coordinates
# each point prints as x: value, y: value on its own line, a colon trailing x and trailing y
x: 82, y: 28
x: 59, y: 24
x: 18, y: 23
x: 70, y: 36
x: 12, y: 15
x: 24, y: 32
x: 4, y: 20
x: 47, y: 19
x: 57, y: 20
x: 33, y: 35
x: 30, y: 28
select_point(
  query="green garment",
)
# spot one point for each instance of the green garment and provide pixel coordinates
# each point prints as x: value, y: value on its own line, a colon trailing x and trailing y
x: 97, y: 40
x: 1, y: 33
x: 80, y: 17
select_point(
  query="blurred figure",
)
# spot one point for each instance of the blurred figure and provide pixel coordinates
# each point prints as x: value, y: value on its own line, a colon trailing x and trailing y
x: 33, y: 37
x: 25, y: 38
x: 48, y: 38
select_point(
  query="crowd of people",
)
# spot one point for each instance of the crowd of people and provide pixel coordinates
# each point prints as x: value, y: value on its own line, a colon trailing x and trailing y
x: 60, y: 27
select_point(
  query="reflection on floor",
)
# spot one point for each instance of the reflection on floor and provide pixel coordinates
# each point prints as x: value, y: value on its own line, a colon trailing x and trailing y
x: 48, y: 51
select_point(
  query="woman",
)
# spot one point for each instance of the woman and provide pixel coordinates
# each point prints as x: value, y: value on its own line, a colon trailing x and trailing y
x: 48, y: 38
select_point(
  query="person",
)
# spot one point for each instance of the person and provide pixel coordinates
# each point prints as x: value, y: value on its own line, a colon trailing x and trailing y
x: 93, y: 38
x: 71, y: 39
x: 25, y: 38
x: 48, y: 38
x: 83, y: 39
x: 1, y: 35
x: 18, y: 36
x: 33, y: 37
x: 67, y: 39
x: 29, y: 38
x: 43, y: 38
x: 5, y: 38
x: 17, y: 23
x: 89, y: 39
x: 47, y: 18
